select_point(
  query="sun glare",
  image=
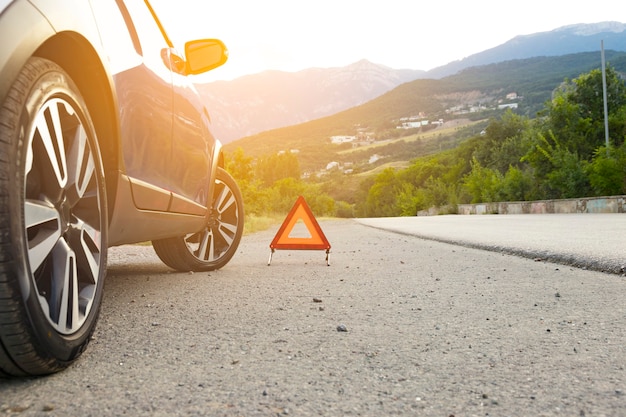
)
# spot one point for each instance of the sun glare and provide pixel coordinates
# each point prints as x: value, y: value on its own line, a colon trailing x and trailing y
x: 291, y: 36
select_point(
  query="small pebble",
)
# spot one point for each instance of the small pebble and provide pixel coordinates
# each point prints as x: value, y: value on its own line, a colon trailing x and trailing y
x: 342, y: 328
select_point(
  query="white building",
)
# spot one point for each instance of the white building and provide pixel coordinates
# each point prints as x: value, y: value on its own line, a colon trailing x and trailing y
x: 337, y: 140
x: 332, y: 165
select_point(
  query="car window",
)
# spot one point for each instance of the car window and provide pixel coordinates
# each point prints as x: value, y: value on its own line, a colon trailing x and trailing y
x: 151, y: 36
x: 158, y: 22
x: 130, y: 25
x: 117, y: 41
x: 4, y: 4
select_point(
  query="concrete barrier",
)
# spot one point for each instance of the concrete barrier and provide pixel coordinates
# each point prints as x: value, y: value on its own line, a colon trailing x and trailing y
x: 611, y: 204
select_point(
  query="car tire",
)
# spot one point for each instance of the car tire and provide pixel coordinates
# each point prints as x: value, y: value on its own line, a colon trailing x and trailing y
x: 53, y: 223
x: 213, y: 246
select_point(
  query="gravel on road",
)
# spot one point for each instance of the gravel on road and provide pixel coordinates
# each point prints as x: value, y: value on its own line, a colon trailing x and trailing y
x: 396, y: 325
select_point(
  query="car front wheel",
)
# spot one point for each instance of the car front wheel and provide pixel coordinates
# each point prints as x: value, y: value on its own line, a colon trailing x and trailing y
x: 212, y: 247
x: 52, y: 223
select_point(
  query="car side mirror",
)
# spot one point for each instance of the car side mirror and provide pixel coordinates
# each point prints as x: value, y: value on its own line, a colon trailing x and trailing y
x: 204, y: 55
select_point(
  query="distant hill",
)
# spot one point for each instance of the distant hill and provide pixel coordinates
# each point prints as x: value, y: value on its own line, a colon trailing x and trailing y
x: 474, y: 93
x: 562, y: 41
x: 269, y: 100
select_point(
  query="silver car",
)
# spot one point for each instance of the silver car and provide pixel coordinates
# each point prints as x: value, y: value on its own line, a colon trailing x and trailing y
x: 103, y: 141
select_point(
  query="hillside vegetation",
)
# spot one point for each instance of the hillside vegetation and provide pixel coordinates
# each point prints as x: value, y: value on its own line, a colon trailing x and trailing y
x: 533, y: 80
x: 498, y: 154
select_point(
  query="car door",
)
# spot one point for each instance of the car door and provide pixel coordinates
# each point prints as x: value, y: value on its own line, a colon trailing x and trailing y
x: 193, y: 142
x: 145, y: 102
x: 193, y: 145
x: 167, y: 142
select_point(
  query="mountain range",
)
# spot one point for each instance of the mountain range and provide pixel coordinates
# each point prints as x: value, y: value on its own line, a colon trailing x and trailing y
x: 566, y: 40
x: 272, y: 99
x: 464, y: 102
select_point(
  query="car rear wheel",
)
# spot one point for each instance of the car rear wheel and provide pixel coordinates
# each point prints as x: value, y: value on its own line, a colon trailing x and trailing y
x: 52, y: 223
x: 213, y: 246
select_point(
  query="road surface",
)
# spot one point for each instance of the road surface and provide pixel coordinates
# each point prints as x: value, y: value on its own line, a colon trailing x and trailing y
x: 431, y: 329
x: 591, y: 241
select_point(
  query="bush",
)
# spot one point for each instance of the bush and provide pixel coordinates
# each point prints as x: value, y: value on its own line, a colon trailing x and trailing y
x: 517, y: 185
x: 344, y: 210
x: 482, y: 183
x: 607, y: 173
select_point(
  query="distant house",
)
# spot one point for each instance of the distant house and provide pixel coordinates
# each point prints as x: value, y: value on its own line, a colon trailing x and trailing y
x: 413, y: 125
x: 338, y: 140
x: 507, y: 106
x: 420, y: 115
x: 374, y: 158
x: 332, y: 165
x: 364, y: 135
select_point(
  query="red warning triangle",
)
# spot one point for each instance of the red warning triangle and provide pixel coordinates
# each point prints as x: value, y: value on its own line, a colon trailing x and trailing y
x: 288, y: 238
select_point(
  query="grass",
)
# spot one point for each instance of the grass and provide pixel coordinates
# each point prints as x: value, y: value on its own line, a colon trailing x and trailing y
x: 254, y: 223
x: 429, y: 135
x: 395, y: 165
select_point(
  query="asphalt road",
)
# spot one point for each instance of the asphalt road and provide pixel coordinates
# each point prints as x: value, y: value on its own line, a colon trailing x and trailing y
x: 590, y: 241
x: 431, y: 329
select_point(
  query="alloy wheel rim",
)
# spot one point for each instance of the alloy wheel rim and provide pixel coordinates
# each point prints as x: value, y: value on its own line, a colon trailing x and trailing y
x: 217, y: 238
x: 63, y: 216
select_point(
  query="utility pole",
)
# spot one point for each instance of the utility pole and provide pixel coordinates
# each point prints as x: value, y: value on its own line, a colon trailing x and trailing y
x: 606, y: 110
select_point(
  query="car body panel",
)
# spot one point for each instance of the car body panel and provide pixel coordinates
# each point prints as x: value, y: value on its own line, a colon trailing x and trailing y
x: 19, y: 45
x: 104, y: 141
x: 160, y: 154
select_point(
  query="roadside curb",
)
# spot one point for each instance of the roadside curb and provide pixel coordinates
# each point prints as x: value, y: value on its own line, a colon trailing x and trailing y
x: 609, y: 204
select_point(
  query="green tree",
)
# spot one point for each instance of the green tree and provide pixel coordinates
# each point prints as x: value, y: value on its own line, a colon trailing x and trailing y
x: 576, y: 114
x: 588, y: 93
x: 407, y: 199
x: 617, y: 127
x: 240, y: 166
x: 440, y: 193
x: 568, y: 179
x: 559, y: 172
x: 503, y: 143
x: 482, y: 183
x: 381, y: 198
x: 517, y: 185
x: 421, y: 170
x: 607, y: 172
x: 271, y: 168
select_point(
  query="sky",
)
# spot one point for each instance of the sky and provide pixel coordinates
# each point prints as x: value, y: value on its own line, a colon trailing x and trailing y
x: 413, y: 34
